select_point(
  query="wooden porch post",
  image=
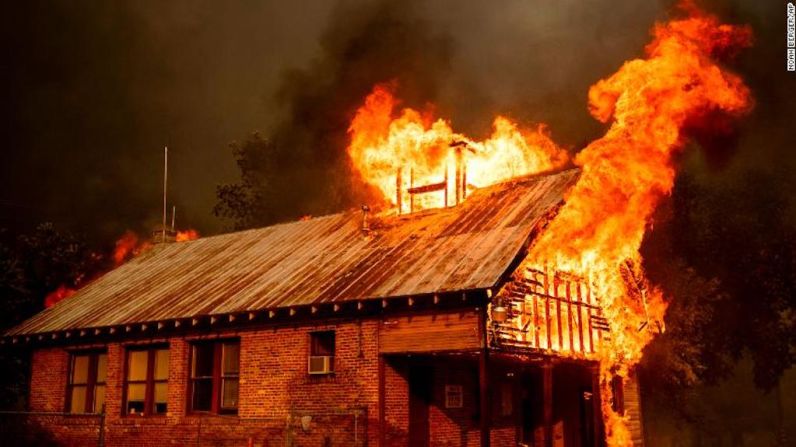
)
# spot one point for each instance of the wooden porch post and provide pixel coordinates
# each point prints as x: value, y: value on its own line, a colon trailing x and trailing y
x: 596, y: 400
x: 547, y: 402
x: 483, y: 382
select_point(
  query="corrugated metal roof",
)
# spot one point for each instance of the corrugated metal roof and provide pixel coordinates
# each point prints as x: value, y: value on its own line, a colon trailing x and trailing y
x: 321, y: 260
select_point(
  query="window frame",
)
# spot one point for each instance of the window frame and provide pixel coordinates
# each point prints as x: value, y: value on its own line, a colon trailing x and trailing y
x: 149, y: 382
x: 218, y: 377
x: 91, y: 380
x: 314, y: 337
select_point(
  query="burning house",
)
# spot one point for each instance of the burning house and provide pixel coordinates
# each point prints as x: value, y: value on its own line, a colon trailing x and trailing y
x: 410, y: 329
x: 496, y: 295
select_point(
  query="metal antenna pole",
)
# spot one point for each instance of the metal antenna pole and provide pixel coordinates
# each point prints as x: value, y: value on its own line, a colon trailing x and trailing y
x: 173, y: 217
x: 165, y: 180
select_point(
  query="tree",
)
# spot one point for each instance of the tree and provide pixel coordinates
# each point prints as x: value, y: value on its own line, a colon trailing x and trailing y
x: 31, y: 266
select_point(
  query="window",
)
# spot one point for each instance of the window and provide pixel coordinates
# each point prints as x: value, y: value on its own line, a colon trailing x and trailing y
x: 321, y: 359
x: 215, y: 372
x: 86, y: 386
x: 146, y: 381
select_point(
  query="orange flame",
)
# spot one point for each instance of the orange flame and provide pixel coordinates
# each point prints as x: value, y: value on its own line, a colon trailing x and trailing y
x: 61, y: 293
x: 187, y: 235
x: 128, y: 246
x: 410, y: 149
x: 627, y: 172
x: 597, y: 234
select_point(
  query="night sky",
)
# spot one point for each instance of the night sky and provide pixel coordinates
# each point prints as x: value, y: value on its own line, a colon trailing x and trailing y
x: 92, y: 91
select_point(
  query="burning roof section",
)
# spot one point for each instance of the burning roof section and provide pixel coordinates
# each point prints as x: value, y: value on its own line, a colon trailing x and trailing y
x: 319, y: 261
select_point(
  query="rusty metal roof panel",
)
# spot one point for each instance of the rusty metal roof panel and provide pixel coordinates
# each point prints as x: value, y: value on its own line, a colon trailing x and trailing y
x: 321, y: 260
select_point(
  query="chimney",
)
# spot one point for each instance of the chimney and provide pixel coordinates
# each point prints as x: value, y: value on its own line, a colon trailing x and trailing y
x: 365, y: 224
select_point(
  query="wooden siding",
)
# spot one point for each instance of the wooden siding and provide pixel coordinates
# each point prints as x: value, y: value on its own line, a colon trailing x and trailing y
x: 430, y: 333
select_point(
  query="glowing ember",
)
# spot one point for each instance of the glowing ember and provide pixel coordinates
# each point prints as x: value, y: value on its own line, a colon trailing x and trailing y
x: 410, y: 149
x: 187, y: 235
x: 61, y: 293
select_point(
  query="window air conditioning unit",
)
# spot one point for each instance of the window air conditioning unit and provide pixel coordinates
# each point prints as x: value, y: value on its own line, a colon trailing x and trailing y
x: 321, y: 364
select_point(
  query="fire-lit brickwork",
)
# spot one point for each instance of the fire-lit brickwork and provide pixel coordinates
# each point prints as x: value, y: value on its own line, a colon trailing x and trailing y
x: 274, y: 384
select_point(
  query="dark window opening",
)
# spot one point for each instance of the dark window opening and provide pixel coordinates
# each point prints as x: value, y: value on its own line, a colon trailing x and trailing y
x: 215, y: 375
x: 321, y: 359
x: 146, y: 381
x: 85, y: 391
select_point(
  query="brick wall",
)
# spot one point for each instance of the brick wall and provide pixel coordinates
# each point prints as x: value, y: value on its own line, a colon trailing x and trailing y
x: 274, y: 385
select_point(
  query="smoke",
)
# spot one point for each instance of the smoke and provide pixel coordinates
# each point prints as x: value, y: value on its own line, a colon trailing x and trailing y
x: 92, y: 92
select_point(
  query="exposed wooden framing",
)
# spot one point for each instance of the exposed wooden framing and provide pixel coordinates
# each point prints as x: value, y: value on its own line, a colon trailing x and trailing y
x: 547, y: 402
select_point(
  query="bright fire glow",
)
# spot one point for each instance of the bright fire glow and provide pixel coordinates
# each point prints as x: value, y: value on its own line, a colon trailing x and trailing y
x: 624, y: 175
x: 187, y: 235
x: 411, y: 149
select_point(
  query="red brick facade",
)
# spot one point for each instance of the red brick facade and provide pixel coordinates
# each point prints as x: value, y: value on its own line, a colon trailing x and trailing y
x: 276, y: 391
